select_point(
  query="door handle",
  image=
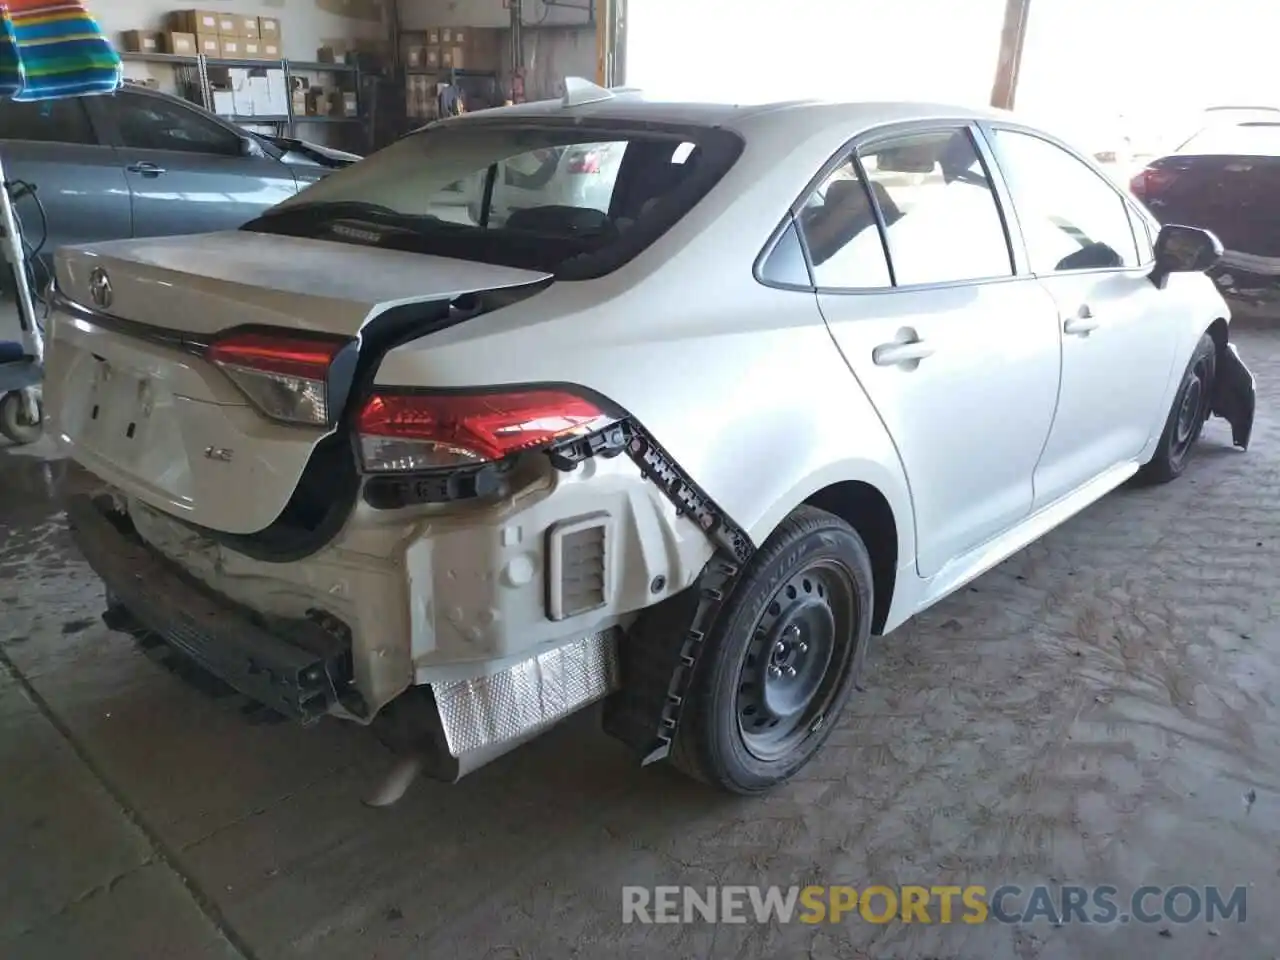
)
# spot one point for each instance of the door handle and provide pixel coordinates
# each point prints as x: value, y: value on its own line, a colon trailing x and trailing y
x: 1082, y: 324
x: 146, y: 168
x: 893, y: 354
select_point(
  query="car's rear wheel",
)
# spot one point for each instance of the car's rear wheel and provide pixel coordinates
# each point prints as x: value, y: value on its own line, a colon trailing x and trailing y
x: 777, y: 670
x: 15, y: 425
x: 1190, y: 410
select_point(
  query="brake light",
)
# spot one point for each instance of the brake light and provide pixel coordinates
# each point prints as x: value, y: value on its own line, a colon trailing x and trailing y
x: 1150, y: 182
x: 427, y: 431
x: 588, y: 162
x: 285, y: 377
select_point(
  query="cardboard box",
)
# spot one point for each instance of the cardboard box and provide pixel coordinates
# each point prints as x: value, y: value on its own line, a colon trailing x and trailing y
x: 298, y: 102
x: 484, y: 52
x: 183, y: 44
x: 453, y: 58
x: 252, y: 49
x: 209, y: 44
x: 461, y: 37
x: 140, y: 41
x: 269, y: 28
x: 342, y: 103
x: 247, y: 27
x: 224, y: 103
x: 315, y: 101
x: 194, y: 21
x: 230, y: 48
x: 431, y: 58
x: 446, y: 36
x: 270, y: 50
x: 415, y: 57
x: 228, y: 24
x: 433, y: 36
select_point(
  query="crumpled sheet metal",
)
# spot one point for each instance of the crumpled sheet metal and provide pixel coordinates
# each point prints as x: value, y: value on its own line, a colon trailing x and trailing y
x: 531, y: 695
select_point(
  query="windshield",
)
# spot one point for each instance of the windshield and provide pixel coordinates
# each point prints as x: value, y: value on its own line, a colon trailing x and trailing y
x: 1244, y: 140
x: 568, y: 199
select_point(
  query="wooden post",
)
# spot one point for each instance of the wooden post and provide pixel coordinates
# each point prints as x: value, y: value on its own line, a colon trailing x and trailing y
x: 604, y: 42
x: 1012, y: 38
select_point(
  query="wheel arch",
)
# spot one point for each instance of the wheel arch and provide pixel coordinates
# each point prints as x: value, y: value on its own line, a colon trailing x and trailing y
x: 875, y: 502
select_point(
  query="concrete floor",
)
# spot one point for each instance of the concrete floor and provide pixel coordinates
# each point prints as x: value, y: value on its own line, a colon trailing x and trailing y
x: 1096, y: 710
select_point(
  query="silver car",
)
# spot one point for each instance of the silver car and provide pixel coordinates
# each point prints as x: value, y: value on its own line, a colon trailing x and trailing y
x: 141, y: 163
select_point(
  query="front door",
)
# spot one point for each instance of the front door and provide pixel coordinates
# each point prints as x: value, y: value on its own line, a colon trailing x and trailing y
x: 1117, y: 355
x: 187, y: 172
x: 959, y: 356
x: 54, y: 147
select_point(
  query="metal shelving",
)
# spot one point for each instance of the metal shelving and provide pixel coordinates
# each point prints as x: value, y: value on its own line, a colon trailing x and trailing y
x: 200, y: 65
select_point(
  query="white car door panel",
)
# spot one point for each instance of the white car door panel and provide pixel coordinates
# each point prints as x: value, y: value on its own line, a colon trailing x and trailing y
x: 960, y: 359
x: 1117, y: 347
x: 965, y: 380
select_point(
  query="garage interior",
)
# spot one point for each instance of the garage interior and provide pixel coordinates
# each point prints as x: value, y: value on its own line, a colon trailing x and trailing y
x: 1098, y: 709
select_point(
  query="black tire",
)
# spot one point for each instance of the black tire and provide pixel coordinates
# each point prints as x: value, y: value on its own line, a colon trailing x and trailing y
x: 1190, y: 410
x: 14, y: 425
x: 759, y: 707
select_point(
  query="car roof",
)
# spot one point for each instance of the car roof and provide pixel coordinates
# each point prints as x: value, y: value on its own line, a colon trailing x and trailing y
x: 635, y: 107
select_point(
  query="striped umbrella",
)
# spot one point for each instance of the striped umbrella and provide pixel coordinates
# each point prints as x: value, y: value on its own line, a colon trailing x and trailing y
x: 51, y: 49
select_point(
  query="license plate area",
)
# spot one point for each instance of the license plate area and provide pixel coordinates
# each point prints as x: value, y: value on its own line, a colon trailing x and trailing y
x: 118, y: 411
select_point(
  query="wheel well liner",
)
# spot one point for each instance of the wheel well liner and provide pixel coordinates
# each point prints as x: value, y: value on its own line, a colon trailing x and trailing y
x: 865, y: 509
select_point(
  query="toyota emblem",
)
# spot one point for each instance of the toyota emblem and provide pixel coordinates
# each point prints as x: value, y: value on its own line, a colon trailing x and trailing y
x: 100, y: 288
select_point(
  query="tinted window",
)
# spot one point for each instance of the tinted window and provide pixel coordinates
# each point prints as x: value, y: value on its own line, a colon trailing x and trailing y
x: 574, y: 201
x: 1245, y: 139
x: 785, y: 264
x: 1071, y: 217
x: 50, y: 121
x: 150, y: 123
x: 942, y: 221
x: 839, y: 225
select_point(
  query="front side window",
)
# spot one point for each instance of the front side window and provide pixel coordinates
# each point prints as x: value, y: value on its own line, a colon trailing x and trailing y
x: 46, y: 121
x: 150, y: 123
x: 1071, y: 217
x: 575, y: 201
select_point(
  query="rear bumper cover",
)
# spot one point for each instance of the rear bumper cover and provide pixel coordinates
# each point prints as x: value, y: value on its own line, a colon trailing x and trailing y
x: 298, y: 668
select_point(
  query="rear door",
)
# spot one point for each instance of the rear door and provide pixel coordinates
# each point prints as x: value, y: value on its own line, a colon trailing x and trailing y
x: 1118, y: 343
x: 958, y: 354
x: 55, y: 147
x: 187, y: 171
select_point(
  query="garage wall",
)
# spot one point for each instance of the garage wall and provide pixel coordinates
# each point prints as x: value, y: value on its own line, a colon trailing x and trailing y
x: 416, y: 14
x: 303, y: 22
x: 559, y: 41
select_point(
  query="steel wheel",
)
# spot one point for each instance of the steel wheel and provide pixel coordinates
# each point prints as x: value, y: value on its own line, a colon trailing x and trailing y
x: 800, y: 650
x: 1192, y: 407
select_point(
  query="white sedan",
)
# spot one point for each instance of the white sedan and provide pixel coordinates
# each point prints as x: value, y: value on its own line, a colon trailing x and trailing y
x: 806, y: 370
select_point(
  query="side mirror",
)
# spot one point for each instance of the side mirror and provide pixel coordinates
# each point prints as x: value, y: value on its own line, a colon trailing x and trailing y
x: 1180, y: 249
x: 250, y: 147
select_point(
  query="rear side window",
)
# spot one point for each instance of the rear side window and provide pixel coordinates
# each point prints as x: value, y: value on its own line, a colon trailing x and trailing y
x: 938, y: 219
x: 577, y: 201
x: 50, y: 121
x: 942, y: 221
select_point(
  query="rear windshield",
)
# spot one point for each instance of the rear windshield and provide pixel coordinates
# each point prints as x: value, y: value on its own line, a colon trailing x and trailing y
x: 1245, y: 140
x: 569, y: 199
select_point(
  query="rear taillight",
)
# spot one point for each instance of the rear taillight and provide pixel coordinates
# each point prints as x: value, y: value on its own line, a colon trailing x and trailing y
x: 1151, y: 181
x: 587, y: 161
x: 428, y: 431
x: 286, y: 378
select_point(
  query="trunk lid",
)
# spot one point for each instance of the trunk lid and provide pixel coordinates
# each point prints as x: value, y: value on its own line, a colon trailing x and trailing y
x: 131, y: 397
